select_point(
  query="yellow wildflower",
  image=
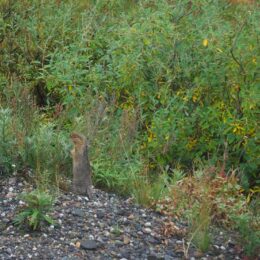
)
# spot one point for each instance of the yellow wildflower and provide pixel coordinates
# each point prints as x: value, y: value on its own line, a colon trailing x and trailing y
x: 194, y: 98
x: 205, y: 42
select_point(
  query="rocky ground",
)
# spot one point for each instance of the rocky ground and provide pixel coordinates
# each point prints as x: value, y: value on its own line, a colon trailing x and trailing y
x: 108, y: 227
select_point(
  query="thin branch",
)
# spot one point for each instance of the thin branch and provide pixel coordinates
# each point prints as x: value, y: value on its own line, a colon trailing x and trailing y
x: 242, y: 69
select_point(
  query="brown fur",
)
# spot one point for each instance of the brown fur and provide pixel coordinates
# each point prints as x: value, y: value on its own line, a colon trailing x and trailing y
x: 82, y: 183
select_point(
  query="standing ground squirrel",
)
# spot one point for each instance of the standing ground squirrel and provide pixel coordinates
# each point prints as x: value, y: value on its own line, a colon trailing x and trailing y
x: 82, y: 183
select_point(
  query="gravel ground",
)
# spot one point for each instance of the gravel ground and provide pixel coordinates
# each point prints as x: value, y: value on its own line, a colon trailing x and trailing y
x: 108, y: 227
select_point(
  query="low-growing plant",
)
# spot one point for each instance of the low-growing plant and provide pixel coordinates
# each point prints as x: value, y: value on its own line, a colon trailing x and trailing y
x: 116, y: 230
x: 249, y: 231
x: 200, y: 221
x: 47, y: 153
x: 224, y: 196
x: 35, y: 211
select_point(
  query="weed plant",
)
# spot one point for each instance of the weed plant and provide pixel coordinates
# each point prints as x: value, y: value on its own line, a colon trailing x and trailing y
x: 35, y: 212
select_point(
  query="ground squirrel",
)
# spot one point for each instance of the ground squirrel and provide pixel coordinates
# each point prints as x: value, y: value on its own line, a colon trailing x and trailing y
x: 82, y: 183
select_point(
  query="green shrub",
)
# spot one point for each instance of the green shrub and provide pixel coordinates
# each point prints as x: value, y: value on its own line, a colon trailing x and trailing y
x: 248, y: 228
x: 8, y: 142
x: 199, y: 224
x: 34, y: 214
x: 194, y: 88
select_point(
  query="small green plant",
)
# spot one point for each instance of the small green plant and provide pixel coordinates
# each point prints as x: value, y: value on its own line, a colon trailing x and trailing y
x: 34, y: 214
x: 200, y: 224
x: 249, y: 233
x: 116, y: 230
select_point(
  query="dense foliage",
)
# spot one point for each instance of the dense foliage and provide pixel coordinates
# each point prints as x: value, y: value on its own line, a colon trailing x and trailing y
x: 159, y: 87
x: 183, y: 74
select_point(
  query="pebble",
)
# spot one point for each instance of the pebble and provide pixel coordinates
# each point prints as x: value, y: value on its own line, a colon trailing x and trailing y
x: 147, y: 230
x: 89, y: 245
x: 10, y: 195
x: 78, y: 213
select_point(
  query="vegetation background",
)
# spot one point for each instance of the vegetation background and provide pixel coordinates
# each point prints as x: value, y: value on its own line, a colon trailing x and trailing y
x: 167, y: 93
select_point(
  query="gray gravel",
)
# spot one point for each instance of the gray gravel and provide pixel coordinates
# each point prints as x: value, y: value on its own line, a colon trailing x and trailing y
x: 107, y: 227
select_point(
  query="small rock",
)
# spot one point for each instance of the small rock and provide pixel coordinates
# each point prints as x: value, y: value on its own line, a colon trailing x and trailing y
x: 86, y: 198
x: 77, y: 245
x: 148, y: 224
x: 231, y: 243
x: 147, y: 230
x: 126, y: 240
x: 119, y: 243
x: 106, y: 233
x: 10, y: 195
x: 153, y: 240
x: 221, y: 257
x: 222, y: 248
x: 100, y: 214
x: 78, y: 212
x: 168, y: 257
x: 89, y: 245
x: 12, y: 181
x: 90, y: 237
x: 154, y: 257
x: 131, y: 217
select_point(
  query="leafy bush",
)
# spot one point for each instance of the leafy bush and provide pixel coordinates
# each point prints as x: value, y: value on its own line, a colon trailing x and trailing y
x: 222, y: 195
x: 194, y: 88
x: 249, y: 233
x: 34, y: 213
x: 7, y: 141
x: 33, y: 145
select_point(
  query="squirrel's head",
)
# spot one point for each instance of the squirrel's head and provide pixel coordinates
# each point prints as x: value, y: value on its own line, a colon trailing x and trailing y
x: 78, y: 139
